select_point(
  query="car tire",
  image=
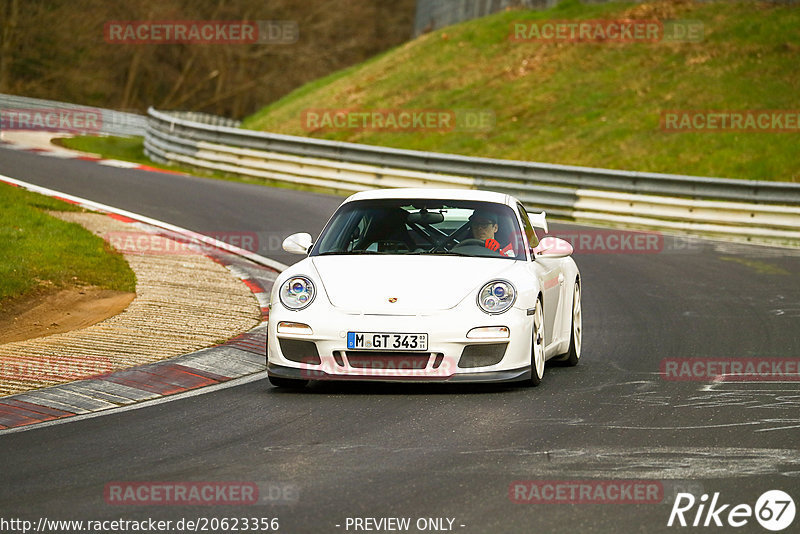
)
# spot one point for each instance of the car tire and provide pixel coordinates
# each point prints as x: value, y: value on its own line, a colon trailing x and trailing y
x: 537, y: 346
x: 573, y: 355
x: 290, y: 383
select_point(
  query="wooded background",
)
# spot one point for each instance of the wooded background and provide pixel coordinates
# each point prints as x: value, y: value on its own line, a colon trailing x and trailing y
x: 56, y: 49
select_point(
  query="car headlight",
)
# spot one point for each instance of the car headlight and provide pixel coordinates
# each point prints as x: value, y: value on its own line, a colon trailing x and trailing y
x: 496, y: 297
x: 297, y: 292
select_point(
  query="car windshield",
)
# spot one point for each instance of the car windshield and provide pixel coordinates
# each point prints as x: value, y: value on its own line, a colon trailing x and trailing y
x: 422, y: 227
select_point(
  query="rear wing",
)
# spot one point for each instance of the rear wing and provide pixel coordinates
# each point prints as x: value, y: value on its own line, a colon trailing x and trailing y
x: 538, y: 220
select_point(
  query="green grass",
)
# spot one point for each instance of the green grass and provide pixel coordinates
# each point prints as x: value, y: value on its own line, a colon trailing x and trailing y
x: 40, y: 252
x: 592, y: 104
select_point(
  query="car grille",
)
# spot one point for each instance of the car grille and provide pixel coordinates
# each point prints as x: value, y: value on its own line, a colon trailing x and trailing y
x: 388, y: 360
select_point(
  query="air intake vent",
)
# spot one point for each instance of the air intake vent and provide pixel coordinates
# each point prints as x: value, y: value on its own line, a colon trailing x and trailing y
x: 482, y: 355
x: 300, y: 351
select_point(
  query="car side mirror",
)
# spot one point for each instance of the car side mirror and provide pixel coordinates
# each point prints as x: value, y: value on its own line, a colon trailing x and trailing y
x: 298, y: 243
x: 553, y: 247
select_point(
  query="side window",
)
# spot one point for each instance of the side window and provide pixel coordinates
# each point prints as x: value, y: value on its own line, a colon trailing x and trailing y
x: 527, y: 227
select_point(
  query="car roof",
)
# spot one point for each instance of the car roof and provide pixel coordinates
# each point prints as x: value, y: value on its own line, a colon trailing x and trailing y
x: 436, y: 194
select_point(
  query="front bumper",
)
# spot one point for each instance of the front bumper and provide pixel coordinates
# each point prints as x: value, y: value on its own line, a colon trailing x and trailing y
x: 450, y: 357
x: 514, y: 375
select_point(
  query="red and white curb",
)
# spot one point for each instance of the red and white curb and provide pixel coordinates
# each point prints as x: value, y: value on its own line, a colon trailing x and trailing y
x: 46, y: 148
x: 240, y: 358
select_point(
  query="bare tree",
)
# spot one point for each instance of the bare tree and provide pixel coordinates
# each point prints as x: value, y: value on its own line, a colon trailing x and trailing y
x: 11, y: 17
x: 59, y: 51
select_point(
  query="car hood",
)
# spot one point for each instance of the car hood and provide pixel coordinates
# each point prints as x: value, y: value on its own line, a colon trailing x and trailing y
x: 420, y: 284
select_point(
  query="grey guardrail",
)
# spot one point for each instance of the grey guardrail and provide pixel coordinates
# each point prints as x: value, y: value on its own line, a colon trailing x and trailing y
x: 110, y: 122
x: 752, y: 210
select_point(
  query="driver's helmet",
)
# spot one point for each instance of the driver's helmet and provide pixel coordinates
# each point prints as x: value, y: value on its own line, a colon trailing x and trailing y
x: 483, y: 216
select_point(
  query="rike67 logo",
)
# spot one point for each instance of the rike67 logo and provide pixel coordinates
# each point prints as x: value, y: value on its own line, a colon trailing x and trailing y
x: 774, y: 510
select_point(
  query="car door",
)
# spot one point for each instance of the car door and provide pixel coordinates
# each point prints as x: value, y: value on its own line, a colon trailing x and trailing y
x: 552, y: 279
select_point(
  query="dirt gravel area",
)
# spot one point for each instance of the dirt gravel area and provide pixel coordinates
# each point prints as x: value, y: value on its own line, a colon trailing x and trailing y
x: 59, y: 311
x: 184, y: 301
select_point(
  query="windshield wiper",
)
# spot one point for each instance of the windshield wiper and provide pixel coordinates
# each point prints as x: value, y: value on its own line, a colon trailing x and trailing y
x: 350, y: 252
x: 442, y: 253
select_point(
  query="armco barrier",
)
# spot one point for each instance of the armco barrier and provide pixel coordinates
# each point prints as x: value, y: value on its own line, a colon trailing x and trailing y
x: 739, y: 209
x: 110, y: 122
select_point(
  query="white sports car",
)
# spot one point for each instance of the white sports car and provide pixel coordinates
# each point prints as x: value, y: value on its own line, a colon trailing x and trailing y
x: 425, y: 285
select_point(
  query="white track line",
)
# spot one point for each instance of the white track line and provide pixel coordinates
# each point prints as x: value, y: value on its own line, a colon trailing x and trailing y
x: 144, y: 404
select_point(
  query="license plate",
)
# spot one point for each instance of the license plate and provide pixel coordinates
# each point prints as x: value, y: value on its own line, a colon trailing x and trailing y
x: 386, y: 341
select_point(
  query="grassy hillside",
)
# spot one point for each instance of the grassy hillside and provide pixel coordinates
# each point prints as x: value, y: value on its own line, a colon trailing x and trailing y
x: 582, y: 103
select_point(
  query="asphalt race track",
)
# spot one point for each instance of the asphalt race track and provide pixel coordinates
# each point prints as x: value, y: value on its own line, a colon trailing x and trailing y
x: 339, y: 451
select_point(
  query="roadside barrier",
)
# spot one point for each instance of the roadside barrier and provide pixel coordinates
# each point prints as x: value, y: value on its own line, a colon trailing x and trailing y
x: 744, y: 210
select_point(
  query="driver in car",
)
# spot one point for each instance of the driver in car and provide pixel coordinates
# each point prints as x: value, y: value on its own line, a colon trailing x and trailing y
x: 483, y: 225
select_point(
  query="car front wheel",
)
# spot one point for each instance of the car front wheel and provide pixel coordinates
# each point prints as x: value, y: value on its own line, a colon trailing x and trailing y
x: 537, y: 346
x: 573, y: 355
